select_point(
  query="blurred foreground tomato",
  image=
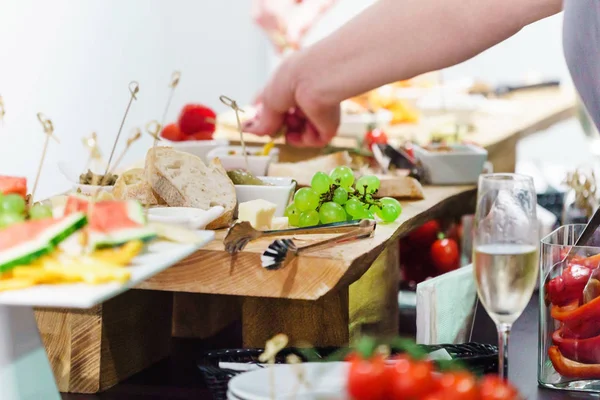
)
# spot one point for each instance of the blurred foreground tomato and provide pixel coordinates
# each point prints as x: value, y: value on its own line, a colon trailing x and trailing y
x: 367, y: 379
x: 425, y: 235
x: 445, y: 254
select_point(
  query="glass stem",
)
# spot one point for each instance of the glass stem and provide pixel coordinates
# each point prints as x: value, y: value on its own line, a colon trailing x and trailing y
x: 503, y: 333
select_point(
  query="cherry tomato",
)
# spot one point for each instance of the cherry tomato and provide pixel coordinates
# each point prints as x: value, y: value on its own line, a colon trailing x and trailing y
x: 206, y: 135
x: 173, y: 133
x: 492, y: 387
x: 425, y: 235
x: 375, y: 136
x: 459, y: 385
x: 367, y: 379
x: 445, y: 255
x: 196, y: 118
x: 410, y: 379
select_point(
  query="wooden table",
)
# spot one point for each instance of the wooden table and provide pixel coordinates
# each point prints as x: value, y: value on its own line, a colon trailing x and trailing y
x: 324, y: 298
x: 530, y: 112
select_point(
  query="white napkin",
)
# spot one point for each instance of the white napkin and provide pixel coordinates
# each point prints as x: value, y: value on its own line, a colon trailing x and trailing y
x: 445, y: 307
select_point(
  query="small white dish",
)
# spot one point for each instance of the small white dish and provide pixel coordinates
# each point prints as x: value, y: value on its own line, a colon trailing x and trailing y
x: 462, y: 165
x: 199, y: 148
x: 257, y: 164
x: 326, y: 380
x: 192, y: 218
x: 280, y: 192
x: 91, y: 189
x: 72, y: 176
x: 358, y: 124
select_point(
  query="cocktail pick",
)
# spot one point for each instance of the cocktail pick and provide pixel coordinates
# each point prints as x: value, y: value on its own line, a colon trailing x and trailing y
x: 153, y: 129
x: 175, y: 77
x: 135, y: 135
x: 91, y: 143
x: 49, y: 132
x: 233, y: 104
x: 134, y: 88
x: 2, y: 110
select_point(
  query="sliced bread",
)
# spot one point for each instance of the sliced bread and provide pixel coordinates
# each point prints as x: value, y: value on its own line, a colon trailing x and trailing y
x: 183, y: 180
x: 132, y: 185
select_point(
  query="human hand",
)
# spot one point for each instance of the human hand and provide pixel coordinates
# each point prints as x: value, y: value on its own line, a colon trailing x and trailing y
x: 286, y: 22
x: 291, y: 103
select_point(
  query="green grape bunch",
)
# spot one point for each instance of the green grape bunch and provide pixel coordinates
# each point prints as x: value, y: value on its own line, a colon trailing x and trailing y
x: 337, y: 197
x: 13, y: 209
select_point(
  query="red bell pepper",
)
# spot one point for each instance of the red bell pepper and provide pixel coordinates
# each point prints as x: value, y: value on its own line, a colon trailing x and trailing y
x: 569, y: 285
x: 572, y: 317
x: 572, y: 369
x: 586, y: 351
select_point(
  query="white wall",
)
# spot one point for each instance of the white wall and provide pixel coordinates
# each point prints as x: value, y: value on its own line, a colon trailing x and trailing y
x: 73, y: 59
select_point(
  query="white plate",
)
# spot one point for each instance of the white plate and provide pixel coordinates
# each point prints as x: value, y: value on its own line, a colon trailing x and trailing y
x: 199, y: 148
x: 257, y: 165
x: 159, y: 256
x: 189, y: 217
x: 279, y: 194
x: 326, y: 380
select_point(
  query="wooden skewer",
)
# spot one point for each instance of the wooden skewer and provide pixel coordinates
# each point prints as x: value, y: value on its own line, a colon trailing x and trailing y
x: 233, y: 104
x: 91, y: 143
x: 134, y: 88
x: 175, y: 77
x: 135, y: 135
x: 153, y: 129
x: 49, y: 131
x: 2, y: 109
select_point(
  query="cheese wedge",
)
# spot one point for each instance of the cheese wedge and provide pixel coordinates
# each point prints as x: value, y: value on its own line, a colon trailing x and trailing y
x: 258, y: 212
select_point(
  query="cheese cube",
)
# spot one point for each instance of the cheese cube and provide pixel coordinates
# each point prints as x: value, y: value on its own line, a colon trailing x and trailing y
x: 258, y: 212
x: 280, y: 223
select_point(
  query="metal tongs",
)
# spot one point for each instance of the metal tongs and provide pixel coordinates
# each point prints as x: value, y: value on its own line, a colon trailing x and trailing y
x: 592, y: 287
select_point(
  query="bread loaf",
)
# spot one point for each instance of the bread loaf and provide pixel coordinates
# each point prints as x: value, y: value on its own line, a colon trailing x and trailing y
x: 132, y: 185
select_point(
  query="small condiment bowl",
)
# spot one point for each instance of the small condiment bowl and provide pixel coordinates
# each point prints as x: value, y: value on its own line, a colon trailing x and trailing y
x: 460, y: 164
x: 89, y: 190
x: 280, y: 192
x: 199, y: 148
x: 188, y: 217
x: 257, y: 164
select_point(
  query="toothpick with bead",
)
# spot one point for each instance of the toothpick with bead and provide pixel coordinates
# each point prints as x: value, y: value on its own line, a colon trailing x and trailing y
x: 135, y: 135
x: 153, y: 129
x: 49, y: 132
x: 233, y: 104
x: 175, y: 77
x: 134, y: 88
x: 91, y: 143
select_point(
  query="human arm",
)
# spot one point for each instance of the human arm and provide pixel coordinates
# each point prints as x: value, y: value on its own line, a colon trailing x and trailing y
x: 390, y: 41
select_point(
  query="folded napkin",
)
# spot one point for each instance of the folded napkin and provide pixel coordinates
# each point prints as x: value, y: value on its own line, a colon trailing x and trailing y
x: 446, y: 307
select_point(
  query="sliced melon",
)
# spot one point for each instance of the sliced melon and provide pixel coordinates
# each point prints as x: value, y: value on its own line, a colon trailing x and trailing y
x: 21, y: 244
x: 113, y: 223
x: 77, y: 202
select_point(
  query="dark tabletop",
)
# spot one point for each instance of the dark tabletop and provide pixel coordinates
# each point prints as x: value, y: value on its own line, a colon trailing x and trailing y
x: 177, y: 378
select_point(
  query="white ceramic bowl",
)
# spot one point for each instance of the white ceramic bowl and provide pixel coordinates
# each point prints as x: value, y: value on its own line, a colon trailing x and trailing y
x: 192, y: 218
x: 91, y: 189
x: 258, y: 165
x: 280, y: 193
x: 199, y: 148
x: 461, y: 166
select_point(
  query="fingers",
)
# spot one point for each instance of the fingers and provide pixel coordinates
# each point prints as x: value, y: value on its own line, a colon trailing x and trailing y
x: 266, y: 122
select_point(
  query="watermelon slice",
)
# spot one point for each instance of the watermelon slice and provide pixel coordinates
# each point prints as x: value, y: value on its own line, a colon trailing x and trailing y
x: 20, y: 244
x: 111, y: 222
x: 13, y: 185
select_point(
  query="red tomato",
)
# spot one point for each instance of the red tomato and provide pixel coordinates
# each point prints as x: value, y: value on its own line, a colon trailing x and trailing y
x: 492, y: 387
x: 367, y: 379
x: 425, y: 235
x: 173, y: 133
x: 459, y: 385
x: 445, y: 255
x: 410, y: 379
x: 207, y: 135
x: 375, y: 136
x: 196, y: 118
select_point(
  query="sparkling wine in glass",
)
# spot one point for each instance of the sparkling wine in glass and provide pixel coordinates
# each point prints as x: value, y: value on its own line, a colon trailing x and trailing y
x: 505, y: 251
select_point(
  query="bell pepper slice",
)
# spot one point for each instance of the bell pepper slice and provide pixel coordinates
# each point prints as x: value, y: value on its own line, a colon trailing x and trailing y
x: 582, y: 350
x: 572, y: 369
x: 573, y: 317
x: 569, y: 285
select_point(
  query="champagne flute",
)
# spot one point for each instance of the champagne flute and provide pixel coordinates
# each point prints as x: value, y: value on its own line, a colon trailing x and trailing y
x: 505, y: 251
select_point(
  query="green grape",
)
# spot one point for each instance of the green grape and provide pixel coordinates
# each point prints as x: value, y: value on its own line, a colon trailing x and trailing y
x: 308, y: 218
x: 10, y: 218
x: 321, y: 182
x: 371, y: 183
x: 340, y: 196
x: 331, y: 212
x: 12, y: 203
x: 390, y: 209
x: 342, y: 176
x: 306, y: 199
x: 354, y: 207
x: 39, y: 211
x: 293, y: 214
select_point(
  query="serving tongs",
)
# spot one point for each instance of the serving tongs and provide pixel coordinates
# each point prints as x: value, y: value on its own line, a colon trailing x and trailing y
x: 242, y: 233
x: 282, y: 251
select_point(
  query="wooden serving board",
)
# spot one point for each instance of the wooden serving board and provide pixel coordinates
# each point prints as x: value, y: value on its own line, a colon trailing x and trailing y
x: 311, y: 276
